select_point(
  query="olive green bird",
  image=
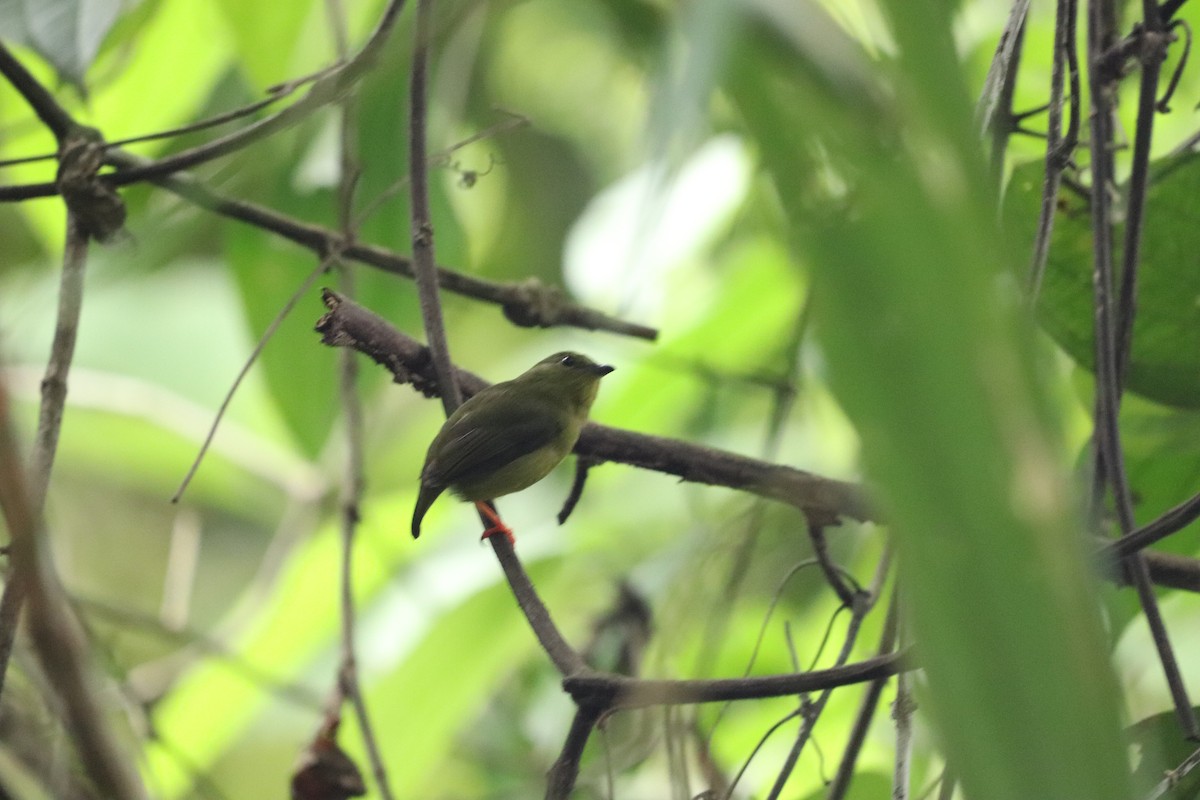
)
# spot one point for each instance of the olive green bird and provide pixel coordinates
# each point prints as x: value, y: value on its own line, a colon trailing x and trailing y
x: 510, y: 435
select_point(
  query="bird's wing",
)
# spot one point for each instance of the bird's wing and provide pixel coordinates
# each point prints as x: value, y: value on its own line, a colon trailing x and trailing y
x: 513, y: 430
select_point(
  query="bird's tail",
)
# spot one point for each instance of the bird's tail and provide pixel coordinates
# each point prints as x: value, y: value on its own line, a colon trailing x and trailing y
x: 425, y: 499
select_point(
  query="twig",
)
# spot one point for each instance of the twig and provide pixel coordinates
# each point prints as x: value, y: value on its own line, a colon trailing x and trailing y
x: 269, y: 332
x: 1167, y: 523
x: 424, y: 268
x: 565, y: 658
x: 57, y: 638
x: 52, y: 115
x: 50, y: 416
x: 1174, y: 777
x: 1112, y: 337
x: 1058, y: 146
x: 325, y: 90
x: 995, y: 104
x: 863, y: 603
x: 948, y: 784
x: 529, y: 303
x: 353, y: 480
x: 1001, y: 77
x: 560, y: 780
x: 275, y: 94
x: 833, y: 575
x: 866, y: 711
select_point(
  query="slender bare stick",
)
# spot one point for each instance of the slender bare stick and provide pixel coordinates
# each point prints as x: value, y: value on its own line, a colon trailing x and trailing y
x: 57, y: 638
x: 353, y: 477
x: 304, y: 286
x: 50, y: 416
x: 866, y: 710
x: 1109, y: 464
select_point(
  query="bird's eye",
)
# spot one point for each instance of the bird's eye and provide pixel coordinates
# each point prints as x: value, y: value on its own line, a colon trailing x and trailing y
x: 568, y: 361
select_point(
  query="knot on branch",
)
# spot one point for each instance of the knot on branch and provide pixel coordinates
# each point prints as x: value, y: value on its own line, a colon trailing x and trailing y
x: 532, y: 304
x: 96, y: 206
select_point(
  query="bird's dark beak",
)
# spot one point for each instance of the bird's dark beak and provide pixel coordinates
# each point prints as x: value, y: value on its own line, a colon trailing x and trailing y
x: 602, y: 369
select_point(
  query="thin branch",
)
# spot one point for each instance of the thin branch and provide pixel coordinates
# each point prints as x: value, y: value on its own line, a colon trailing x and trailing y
x: 52, y: 115
x: 529, y: 303
x: 422, y: 225
x: 57, y: 638
x: 833, y: 574
x: 269, y: 332
x: 274, y: 95
x: 353, y: 476
x: 863, y: 603
x: 325, y: 90
x: 560, y: 780
x: 996, y: 97
x: 50, y: 416
x: 618, y: 691
x: 1167, y: 523
x: 1154, y: 43
x: 565, y: 658
x: 1109, y: 459
x: 1174, y: 776
x: 995, y: 105
x: 1058, y: 147
x: 840, y: 784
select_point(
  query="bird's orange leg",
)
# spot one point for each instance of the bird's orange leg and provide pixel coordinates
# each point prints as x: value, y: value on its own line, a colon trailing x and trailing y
x: 497, y: 526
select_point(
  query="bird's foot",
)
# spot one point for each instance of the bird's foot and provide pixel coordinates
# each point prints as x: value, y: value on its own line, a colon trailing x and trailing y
x: 497, y: 526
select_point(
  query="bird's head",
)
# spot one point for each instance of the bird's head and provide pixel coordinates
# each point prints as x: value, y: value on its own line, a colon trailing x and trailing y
x: 573, y: 377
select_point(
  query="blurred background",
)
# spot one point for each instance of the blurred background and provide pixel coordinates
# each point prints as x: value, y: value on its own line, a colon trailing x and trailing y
x: 622, y: 158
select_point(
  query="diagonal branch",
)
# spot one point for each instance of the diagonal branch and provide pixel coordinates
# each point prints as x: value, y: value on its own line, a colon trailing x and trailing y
x: 348, y: 324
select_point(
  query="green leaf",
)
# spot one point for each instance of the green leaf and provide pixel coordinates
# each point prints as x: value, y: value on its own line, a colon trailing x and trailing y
x: 67, y: 33
x: 1165, y: 362
x: 1158, y: 746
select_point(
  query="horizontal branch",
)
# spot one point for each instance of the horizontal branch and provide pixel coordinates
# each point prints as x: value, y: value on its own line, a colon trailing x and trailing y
x: 619, y: 691
x: 530, y: 303
x: 348, y: 324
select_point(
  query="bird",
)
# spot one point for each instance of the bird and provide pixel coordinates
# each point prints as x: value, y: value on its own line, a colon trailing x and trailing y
x: 510, y: 435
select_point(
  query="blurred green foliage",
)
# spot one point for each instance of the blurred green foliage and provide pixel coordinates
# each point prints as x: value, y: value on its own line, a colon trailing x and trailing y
x: 793, y: 194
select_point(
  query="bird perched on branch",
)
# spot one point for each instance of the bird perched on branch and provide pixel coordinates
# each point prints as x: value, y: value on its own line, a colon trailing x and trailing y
x: 510, y: 435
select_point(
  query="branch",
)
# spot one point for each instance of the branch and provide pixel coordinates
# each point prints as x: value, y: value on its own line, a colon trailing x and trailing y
x: 618, y: 691
x: 529, y: 303
x: 52, y: 115
x: 1110, y: 341
x: 56, y: 635
x: 422, y: 223
x: 560, y: 780
x: 348, y: 324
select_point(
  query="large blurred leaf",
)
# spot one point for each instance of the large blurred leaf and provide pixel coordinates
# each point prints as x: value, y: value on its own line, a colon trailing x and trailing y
x: 1165, y: 363
x: 67, y: 33
x: 935, y: 374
